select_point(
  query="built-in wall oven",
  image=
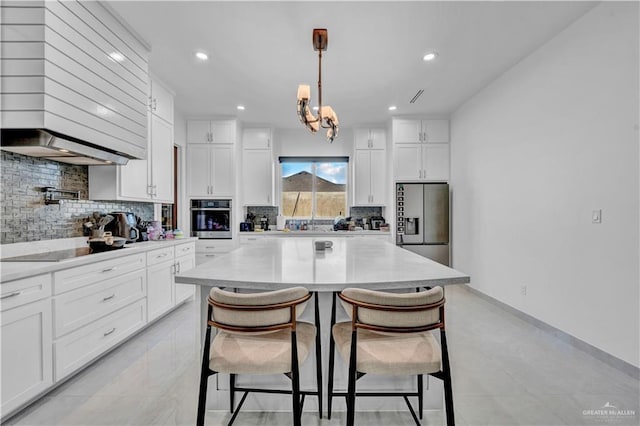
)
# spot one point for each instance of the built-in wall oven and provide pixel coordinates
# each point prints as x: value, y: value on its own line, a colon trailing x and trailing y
x: 211, y: 219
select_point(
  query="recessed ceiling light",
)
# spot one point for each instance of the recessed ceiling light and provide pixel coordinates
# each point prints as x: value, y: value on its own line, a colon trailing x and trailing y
x: 240, y: 107
x: 430, y: 56
x: 116, y: 56
x: 393, y: 108
x: 202, y: 56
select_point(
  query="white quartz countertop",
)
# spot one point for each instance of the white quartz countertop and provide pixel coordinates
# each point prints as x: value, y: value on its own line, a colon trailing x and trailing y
x: 351, y: 262
x: 16, y: 270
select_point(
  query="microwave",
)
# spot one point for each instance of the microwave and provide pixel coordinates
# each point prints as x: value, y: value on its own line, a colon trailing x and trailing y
x: 211, y: 219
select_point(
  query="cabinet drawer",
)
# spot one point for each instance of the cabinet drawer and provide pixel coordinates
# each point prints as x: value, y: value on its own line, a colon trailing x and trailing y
x: 214, y: 246
x: 159, y: 255
x: 81, y: 276
x: 84, y: 305
x: 27, y: 290
x: 81, y: 346
x: 185, y: 249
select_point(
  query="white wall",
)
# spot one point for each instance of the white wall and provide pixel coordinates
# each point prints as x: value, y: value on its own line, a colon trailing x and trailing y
x: 533, y: 154
x: 301, y: 142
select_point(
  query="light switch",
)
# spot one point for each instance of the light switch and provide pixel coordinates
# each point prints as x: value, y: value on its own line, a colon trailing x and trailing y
x: 596, y: 216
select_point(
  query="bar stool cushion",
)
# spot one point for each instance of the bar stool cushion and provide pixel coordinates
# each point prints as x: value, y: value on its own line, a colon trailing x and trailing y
x: 259, y: 353
x: 390, y: 353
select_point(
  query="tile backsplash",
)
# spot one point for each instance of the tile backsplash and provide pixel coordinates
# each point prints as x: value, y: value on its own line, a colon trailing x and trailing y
x: 25, y: 217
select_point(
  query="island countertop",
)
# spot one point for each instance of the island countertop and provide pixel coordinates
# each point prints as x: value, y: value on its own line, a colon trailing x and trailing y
x: 359, y: 262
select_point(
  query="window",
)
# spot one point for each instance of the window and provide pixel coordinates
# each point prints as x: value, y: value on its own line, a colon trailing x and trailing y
x: 314, y: 188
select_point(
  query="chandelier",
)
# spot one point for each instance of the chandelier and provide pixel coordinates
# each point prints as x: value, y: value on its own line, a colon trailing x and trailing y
x: 327, y: 118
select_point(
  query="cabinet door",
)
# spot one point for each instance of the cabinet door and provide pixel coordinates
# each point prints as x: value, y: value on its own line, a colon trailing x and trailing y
x: 378, y: 177
x: 134, y: 180
x: 198, y: 131
x: 27, y: 359
x: 223, y: 131
x: 362, y: 177
x: 257, y: 177
x: 159, y: 289
x: 407, y: 131
x: 361, y: 139
x: 222, y: 170
x: 256, y: 139
x: 435, y: 161
x: 184, y: 291
x: 198, y: 176
x: 378, y: 138
x: 161, y: 101
x: 408, y: 161
x: 436, y: 131
x: 161, y: 160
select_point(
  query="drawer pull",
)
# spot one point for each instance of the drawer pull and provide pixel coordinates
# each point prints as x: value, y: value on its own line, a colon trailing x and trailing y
x: 211, y: 247
x: 109, y: 297
x: 109, y: 269
x: 14, y: 294
x: 209, y: 255
x: 109, y: 332
x: 186, y: 249
x: 162, y: 255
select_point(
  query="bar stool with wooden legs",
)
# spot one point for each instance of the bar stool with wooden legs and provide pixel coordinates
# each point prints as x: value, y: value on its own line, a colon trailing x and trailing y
x: 391, y: 334
x: 259, y: 333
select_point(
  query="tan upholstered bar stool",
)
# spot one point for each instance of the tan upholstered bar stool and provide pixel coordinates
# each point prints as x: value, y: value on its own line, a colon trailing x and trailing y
x: 258, y: 333
x: 391, y: 334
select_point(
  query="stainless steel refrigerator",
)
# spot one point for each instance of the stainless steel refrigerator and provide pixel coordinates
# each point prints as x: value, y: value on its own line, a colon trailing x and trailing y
x: 423, y: 219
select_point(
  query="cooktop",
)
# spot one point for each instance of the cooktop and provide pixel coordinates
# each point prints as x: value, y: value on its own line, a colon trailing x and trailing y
x: 51, y: 256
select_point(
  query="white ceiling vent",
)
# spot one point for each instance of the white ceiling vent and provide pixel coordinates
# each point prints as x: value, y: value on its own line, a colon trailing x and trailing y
x: 416, y: 96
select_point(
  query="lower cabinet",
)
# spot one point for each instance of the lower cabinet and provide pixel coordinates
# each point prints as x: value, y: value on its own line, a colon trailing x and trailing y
x: 160, y: 288
x: 184, y: 263
x: 81, y: 346
x: 26, y: 353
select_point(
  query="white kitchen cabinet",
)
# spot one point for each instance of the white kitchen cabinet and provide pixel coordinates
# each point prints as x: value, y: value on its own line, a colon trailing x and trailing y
x: 27, y: 357
x: 161, y: 101
x: 370, y: 167
x: 370, y: 139
x: 149, y: 179
x: 421, y: 150
x: 210, y: 170
x: 185, y: 259
x: 256, y: 138
x: 417, y: 131
x: 257, y: 177
x: 207, y: 249
x: 370, y: 177
x: 160, y: 271
x: 211, y: 131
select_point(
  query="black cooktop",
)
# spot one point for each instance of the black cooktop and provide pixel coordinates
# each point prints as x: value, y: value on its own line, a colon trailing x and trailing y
x: 51, y: 256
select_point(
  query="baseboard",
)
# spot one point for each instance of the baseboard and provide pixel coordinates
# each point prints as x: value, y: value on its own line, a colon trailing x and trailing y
x: 607, y: 358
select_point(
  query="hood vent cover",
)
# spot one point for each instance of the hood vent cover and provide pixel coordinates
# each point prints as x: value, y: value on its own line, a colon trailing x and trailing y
x: 53, y: 146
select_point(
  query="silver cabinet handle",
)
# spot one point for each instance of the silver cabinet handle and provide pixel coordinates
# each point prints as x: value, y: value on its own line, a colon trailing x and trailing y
x: 109, y: 297
x: 150, y: 103
x: 178, y: 267
x: 155, y: 104
x: 186, y: 248
x: 173, y: 269
x: 14, y: 294
x: 210, y: 247
x: 209, y: 255
x: 109, y: 269
x: 162, y: 255
x: 268, y: 142
x: 109, y: 332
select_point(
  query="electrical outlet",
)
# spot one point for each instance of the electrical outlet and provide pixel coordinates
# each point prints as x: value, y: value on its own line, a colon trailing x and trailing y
x: 523, y: 289
x: 596, y: 216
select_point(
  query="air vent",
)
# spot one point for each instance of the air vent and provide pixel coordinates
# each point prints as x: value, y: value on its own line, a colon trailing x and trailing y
x: 416, y: 96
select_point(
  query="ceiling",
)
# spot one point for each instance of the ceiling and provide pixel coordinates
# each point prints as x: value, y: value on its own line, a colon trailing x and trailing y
x: 259, y: 52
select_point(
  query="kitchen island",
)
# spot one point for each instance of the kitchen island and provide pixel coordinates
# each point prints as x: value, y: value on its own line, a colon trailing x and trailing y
x: 277, y: 263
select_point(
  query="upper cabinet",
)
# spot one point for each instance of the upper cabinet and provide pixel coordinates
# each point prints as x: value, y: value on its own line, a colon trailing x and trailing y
x: 257, y: 167
x: 161, y: 101
x: 420, y: 131
x: 142, y: 180
x: 421, y: 150
x: 211, y: 131
x: 370, y: 170
x: 210, y: 158
x: 73, y: 68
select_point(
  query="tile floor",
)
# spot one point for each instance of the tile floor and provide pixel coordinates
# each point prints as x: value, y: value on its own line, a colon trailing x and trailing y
x: 505, y: 372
